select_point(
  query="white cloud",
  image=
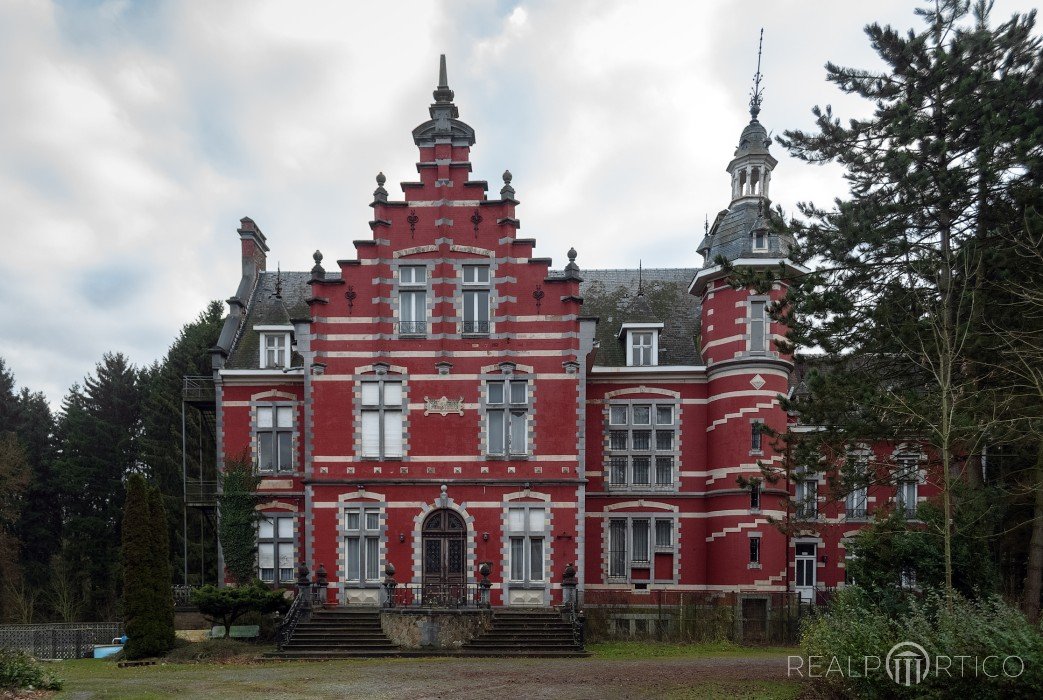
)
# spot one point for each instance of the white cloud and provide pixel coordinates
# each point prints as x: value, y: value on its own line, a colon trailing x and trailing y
x: 136, y: 135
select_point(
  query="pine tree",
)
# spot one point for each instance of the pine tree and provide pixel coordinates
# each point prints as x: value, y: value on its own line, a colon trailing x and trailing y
x: 98, y: 434
x: 900, y: 265
x: 138, y: 557
x: 161, y: 444
x: 40, y: 525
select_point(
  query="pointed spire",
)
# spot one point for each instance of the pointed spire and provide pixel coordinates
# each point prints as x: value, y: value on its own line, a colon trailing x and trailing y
x: 640, y: 278
x: 757, y: 94
x: 442, y: 94
x: 278, y: 281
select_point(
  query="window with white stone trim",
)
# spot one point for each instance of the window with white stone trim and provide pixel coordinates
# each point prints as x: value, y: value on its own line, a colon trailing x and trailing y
x: 363, y: 534
x: 527, y: 543
x: 642, y: 445
x: 382, y: 408
x: 274, y: 436
x: 275, y: 549
x: 275, y: 350
x: 476, y: 295
x: 412, y: 300
x: 507, y: 411
x: 633, y: 542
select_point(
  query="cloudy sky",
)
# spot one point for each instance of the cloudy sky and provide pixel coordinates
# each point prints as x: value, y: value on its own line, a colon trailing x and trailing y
x: 134, y: 135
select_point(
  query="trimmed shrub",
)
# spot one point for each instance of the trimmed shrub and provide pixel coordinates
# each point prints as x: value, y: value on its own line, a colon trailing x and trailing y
x: 20, y: 671
x: 226, y: 605
x: 985, y: 633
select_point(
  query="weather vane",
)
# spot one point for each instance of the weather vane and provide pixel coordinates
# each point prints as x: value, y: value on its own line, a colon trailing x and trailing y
x: 758, y: 91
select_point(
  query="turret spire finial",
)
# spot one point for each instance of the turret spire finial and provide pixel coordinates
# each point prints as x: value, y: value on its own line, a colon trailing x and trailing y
x: 442, y: 93
x: 758, y: 92
x: 640, y: 276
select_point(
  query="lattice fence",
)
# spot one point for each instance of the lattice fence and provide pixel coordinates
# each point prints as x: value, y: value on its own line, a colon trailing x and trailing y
x: 71, y: 640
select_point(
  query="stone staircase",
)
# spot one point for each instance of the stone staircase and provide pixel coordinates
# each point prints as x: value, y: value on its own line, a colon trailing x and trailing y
x: 338, y: 633
x: 534, y: 632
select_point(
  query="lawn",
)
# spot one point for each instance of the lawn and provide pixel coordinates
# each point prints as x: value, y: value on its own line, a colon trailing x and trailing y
x: 631, y: 670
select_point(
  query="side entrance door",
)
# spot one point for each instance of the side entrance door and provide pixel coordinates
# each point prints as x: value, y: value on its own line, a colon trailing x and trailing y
x: 444, y: 583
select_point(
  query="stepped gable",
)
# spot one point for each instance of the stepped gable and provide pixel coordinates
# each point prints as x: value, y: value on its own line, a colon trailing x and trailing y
x: 611, y: 295
x: 267, y: 309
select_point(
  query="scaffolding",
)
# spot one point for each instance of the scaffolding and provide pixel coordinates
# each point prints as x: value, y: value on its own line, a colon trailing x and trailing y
x: 199, y: 490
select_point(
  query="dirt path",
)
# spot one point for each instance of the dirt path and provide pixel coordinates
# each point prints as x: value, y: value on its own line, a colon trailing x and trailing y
x: 579, y: 679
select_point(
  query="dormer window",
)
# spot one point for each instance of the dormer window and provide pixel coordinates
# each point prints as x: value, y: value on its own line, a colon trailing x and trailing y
x: 642, y: 343
x: 760, y: 240
x: 275, y: 346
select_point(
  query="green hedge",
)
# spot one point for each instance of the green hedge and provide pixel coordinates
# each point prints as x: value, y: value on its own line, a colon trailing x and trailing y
x: 985, y: 631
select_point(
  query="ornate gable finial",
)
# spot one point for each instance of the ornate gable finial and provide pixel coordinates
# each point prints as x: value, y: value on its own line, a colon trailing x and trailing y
x: 442, y: 93
x: 278, y: 280
x: 757, y: 94
x: 640, y: 278
x: 706, y: 224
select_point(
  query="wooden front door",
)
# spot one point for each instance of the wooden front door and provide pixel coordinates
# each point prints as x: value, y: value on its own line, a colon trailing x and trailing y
x: 444, y: 554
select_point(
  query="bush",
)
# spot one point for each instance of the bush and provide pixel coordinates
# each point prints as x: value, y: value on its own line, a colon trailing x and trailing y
x: 18, y: 670
x: 226, y: 605
x: 214, y: 650
x: 857, y: 626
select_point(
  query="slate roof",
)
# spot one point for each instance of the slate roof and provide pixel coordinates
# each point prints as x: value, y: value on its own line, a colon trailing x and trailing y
x: 611, y: 295
x: 265, y: 308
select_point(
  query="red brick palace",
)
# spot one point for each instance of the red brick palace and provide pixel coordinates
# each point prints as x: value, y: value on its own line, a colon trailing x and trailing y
x: 441, y: 399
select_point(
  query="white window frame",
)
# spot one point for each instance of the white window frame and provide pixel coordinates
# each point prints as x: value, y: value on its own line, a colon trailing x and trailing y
x: 759, y: 324
x: 283, y: 348
x: 473, y: 286
x: 278, y: 432
x: 527, y: 535
x: 907, y: 489
x: 382, y: 410
x: 279, y: 542
x: 763, y: 235
x: 506, y: 412
x: 412, y: 300
x: 805, y: 564
x: 627, y: 456
x: 359, y: 569
x: 755, y: 551
x: 807, y: 498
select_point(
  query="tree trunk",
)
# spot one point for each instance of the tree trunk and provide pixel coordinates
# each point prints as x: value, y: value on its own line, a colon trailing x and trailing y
x: 1034, y: 574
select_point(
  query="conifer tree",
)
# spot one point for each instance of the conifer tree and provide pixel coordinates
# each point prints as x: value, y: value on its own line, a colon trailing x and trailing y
x: 896, y: 296
x: 162, y: 608
x: 138, y: 557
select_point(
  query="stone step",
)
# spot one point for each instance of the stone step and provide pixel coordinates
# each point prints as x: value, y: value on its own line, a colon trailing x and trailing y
x: 294, y: 646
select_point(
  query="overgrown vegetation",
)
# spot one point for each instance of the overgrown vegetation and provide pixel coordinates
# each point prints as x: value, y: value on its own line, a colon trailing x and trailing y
x: 858, y: 626
x: 238, y: 516
x: 19, y: 671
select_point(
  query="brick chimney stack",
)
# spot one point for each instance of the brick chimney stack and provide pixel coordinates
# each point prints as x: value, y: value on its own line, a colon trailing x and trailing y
x: 255, y: 248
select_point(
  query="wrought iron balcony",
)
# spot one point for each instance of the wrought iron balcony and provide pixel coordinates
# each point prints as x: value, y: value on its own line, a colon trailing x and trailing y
x: 856, y: 512
x: 476, y: 327
x: 412, y: 327
x: 806, y: 511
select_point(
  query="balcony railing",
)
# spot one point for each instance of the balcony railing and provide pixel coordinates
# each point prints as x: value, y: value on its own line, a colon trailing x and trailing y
x: 856, y: 513
x: 476, y: 327
x: 412, y: 327
x: 806, y: 511
x: 434, y: 595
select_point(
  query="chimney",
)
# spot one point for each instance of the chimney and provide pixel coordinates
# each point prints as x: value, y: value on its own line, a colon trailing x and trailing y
x: 254, y: 248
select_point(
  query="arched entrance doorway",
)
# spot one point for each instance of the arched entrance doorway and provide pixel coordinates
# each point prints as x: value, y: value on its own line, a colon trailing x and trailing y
x: 444, y: 534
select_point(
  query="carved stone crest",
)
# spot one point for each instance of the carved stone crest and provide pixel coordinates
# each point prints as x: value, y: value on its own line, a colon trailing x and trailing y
x: 443, y: 406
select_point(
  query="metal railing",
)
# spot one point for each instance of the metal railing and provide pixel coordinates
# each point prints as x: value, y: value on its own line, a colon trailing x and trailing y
x: 198, y: 388
x: 299, y: 611
x: 59, y: 640
x: 475, y: 327
x: 806, y: 511
x: 434, y: 595
x: 412, y: 327
x: 200, y: 492
x: 856, y: 513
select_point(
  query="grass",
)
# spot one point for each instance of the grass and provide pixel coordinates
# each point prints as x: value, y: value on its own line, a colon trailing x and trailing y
x: 661, y: 650
x: 739, y: 690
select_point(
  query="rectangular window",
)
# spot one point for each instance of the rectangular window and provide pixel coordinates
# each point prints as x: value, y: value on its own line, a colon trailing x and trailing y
x: 617, y: 415
x: 526, y: 527
x: 856, y: 503
x: 755, y: 496
x: 507, y: 413
x: 382, y: 419
x: 275, y: 550
x: 412, y: 275
x: 641, y: 354
x: 755, y: 550
x: 412, y: 312
x: 476, y: 301
x: 640, y: 540
x: 757, y: 326
x: 907, y: 498
x: 275, y: 439
x: 664, y: 534
x: 760, y: 240
x: 275, y: 350
x: 639, y: 456
x: 755, y: 436
x: 617, y: 548
x: 807, y: 499
x: 664, y: 471
x: 362, y: 544
x: 805, y: 564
